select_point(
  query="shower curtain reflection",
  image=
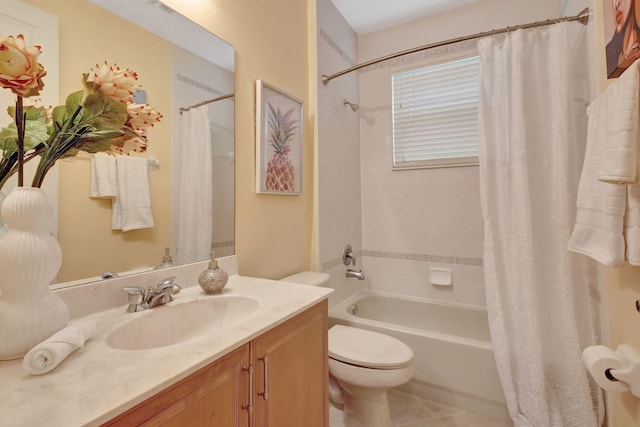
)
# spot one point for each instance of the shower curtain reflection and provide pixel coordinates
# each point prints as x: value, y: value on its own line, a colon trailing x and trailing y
x: 193, y: 169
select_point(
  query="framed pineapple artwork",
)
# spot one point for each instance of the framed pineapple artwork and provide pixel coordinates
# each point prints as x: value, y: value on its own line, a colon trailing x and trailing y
x: 279, y: 141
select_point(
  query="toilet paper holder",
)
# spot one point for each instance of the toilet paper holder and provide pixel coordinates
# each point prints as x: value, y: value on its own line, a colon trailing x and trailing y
x: 630, y: 375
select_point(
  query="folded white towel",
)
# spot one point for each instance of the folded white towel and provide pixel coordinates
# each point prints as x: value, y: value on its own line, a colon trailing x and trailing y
x: 598, y: 231
x: 620, y: 143
x: 608, y: 218
x: 132, y: 206
x: 103, y: 175
x: 45, y: 356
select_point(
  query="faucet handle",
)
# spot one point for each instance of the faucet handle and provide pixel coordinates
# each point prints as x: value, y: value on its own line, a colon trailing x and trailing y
x: 347, y: 256
x: 136, y: 296
x: 167, y: 283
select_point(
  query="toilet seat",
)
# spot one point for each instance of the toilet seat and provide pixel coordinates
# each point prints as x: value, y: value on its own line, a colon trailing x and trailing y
x: 368, y: 349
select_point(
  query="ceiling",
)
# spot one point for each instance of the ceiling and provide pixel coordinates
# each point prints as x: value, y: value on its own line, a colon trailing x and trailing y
x: 366, y: 16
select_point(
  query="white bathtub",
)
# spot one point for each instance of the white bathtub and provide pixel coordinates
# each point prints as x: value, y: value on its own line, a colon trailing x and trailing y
x: 453, y: 357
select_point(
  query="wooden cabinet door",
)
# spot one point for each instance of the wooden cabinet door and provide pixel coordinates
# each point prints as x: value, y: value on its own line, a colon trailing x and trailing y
x: 291, y: 384
x: 213, y: 396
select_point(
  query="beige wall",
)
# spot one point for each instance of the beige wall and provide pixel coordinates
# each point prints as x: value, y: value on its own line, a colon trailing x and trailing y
x: 622, y: 285
x: 89, y: 245
x: 273, y: 233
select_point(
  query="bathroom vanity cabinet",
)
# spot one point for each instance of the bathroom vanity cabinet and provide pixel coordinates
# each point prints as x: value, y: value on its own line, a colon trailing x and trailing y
x: 278, y: 379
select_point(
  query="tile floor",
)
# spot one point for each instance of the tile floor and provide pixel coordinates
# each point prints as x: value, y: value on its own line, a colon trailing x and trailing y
x: 411, y: 411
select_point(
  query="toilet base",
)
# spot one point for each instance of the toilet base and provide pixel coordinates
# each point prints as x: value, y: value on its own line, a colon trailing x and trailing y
x: 367, y: 409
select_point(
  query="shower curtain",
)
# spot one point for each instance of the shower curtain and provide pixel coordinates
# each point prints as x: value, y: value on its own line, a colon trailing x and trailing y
x: 537, y: 292
x: 193, y: 170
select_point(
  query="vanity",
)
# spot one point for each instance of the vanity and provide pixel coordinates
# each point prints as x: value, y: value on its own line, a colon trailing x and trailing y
x: 259, y: 359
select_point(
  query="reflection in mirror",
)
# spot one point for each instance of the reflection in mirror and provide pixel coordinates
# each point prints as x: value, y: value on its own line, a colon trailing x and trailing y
x: 177, y: 69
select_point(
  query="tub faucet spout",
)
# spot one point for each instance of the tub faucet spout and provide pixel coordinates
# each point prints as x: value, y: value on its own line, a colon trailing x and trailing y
x: 355, y: 273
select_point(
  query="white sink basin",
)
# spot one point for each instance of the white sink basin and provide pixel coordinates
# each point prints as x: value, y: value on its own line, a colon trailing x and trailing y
x: 178, y: 322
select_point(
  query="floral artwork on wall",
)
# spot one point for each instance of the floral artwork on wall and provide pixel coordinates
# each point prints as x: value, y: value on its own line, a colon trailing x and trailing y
x: 279, y: 141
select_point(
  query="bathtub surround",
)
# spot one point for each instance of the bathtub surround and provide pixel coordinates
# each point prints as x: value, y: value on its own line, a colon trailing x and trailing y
x: 528, y: 165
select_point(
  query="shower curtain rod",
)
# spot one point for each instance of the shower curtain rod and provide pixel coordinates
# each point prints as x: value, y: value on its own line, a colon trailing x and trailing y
x: 582, y: 17
x: 209, y: 101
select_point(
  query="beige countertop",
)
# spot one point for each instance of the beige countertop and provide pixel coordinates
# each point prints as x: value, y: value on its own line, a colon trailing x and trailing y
x: 97, y: 382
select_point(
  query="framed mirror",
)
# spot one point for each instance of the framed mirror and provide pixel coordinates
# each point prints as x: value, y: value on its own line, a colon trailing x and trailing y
x: 179, y: 64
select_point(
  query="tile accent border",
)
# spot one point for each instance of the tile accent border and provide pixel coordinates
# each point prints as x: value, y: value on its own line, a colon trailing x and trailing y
x: 199, y: 85
x: 323, y: 34
x: 442, y: 259
x: 223, y: 244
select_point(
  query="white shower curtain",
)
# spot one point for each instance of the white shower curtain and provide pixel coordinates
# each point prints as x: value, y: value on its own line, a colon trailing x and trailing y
x: 537, y: 292
x: 193, y: 169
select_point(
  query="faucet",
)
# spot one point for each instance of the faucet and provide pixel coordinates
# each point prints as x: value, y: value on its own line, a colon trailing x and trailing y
x: 355, y: 273
x: 141, y: 299
x: 347, y: 256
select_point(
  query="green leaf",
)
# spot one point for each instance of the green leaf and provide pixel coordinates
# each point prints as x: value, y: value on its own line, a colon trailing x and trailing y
x: 60, y: 115
x: 35, y: 132
x: 35, y: 113
x: 74, y: 100
x: 102, y: 112
x: 102, y: 134
x: 98, y: 145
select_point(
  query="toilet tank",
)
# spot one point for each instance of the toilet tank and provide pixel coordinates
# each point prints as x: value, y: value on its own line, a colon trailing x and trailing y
x: 311, y: 278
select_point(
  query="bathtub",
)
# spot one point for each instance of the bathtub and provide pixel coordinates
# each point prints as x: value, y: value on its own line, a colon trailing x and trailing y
x: 453, y: 356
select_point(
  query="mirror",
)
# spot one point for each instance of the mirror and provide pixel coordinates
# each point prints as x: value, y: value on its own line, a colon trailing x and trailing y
x: 178, y: 69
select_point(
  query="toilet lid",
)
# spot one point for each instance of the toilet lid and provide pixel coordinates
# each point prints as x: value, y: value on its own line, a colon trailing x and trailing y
x: 367, y: 349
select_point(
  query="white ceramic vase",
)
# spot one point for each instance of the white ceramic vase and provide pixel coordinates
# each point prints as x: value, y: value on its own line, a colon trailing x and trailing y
x: 3, y: 226
x: 29, y: 260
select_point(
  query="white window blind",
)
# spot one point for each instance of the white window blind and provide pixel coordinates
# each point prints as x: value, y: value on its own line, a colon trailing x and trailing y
x: 435, y: 115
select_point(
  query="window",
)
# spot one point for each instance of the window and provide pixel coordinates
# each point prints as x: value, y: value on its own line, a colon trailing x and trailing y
x: 435, y: 115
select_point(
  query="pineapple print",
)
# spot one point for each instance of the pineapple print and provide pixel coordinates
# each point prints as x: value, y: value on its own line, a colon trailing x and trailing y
x: 280, y: 173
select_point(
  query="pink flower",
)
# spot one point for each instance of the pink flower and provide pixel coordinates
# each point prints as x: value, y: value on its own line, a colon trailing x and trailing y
x: 19, y: 68
x: 128, y: 146
x: 116, y: 83
x: 142, y: 116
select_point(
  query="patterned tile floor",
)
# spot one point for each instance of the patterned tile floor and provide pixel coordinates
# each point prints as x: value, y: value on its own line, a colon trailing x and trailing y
x: 411, y: 411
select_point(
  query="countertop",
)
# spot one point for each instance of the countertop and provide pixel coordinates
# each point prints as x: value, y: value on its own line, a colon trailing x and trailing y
x: 97, y: 382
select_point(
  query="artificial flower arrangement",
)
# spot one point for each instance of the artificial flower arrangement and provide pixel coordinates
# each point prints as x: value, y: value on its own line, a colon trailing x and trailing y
x: 101, y: 117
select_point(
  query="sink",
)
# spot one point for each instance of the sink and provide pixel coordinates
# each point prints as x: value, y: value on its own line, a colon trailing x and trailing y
x: 178, y: 322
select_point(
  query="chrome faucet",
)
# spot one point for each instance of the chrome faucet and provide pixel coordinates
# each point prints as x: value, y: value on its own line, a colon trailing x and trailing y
x: 355, y: 273
x: 141, y: 299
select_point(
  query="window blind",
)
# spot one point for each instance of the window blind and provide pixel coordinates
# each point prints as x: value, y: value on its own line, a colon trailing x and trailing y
x: 435, y: 115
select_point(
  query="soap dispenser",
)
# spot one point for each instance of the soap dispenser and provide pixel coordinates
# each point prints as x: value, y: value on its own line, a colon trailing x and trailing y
x: 213, y: 279
x: 167, y: 261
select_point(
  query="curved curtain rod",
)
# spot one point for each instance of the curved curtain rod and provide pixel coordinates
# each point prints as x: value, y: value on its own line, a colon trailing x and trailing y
x: 209, y: 101
x: 582, y: 17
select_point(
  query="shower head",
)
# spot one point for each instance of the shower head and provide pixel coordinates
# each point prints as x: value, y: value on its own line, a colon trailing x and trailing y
x: 354, y: 107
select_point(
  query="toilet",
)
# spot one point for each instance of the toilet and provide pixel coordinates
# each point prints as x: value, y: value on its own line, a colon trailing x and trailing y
x: 365, y: 364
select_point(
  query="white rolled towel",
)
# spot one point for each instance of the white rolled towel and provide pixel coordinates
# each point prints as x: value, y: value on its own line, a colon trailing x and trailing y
x: 45, y: 356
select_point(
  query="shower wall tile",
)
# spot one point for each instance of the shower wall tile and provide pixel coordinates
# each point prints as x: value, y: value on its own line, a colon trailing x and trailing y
x: 434, y: 211
x: 338, y: 150
x: 411, y: 278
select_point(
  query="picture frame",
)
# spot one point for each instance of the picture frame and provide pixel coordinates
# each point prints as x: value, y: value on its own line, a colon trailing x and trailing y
x: 621, y: 34
x: 279, y: 141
